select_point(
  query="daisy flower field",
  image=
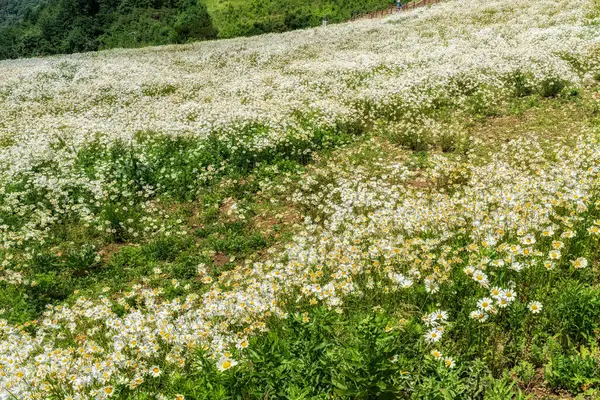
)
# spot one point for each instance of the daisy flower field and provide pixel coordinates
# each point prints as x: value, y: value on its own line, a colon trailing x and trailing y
x: 396, y: 208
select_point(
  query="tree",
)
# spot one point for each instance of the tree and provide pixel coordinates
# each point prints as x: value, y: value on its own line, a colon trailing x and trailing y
x: 194, y: 23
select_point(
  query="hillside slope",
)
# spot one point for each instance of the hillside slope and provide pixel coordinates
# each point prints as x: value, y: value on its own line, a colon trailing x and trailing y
x: 398, y: 208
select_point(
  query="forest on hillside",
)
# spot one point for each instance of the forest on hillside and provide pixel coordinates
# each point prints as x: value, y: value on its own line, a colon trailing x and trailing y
x: 35, y: 28
x: 11, y: 11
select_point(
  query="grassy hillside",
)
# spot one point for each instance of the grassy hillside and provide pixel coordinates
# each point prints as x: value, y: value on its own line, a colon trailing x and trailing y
x: 239, y: 18
x: 400, y: 208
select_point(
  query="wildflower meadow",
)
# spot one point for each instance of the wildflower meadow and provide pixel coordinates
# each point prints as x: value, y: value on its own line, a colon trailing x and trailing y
x: 396, y: 208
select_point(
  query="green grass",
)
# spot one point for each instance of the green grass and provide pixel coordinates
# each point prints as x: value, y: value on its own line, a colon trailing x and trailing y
x: 239, y: 17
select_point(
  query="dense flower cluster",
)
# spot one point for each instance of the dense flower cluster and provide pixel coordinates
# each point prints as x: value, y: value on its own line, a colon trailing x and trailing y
x: 67, y: 122
x: 376, y: 235
x: 527, y: 207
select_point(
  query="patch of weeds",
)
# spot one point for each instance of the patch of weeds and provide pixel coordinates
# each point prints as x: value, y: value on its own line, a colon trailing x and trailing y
x: 552, y: 86
x: 419, y: 160
x: 577, y: 372
x: 82, y: 261
x: 129, y: 262
x: 6, y: 141
x: 186, y: 265
x: 520, y: 84
x: 417, y: 135
x: 15, y: 304
x: 158, y: 90
x: 166, y: 247
x: 525, y: 372
x: 575, y: 314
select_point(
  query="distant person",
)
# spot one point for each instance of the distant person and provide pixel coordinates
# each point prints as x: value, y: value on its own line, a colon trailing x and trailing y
x: 399, y: 5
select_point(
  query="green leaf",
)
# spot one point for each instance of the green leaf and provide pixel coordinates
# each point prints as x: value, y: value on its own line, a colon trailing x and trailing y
x: 338, y: 384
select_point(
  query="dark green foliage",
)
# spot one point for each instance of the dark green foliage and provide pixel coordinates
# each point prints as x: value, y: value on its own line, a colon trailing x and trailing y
x: 322, y: 355
x: 232, y: 238
x: 54, y: 276
x: 69, y: 26
x: 327, y: 355
x: 11, y: 11
x: 8, y: 42
x: 195, y: 24
x: 142, y: 27
x: 369, y: 361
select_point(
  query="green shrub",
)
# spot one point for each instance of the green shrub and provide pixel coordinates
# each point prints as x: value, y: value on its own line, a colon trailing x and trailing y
x: 552, y: 86
x: 417, y: 134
